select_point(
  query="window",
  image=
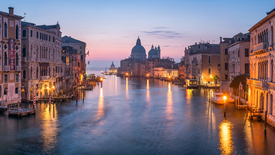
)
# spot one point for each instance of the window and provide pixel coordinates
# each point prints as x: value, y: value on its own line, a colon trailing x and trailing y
x: 5, y: 78
x: 40, y: 36
x: 238, y: 53
x: 37, y: 35
x: 246, y: 53
x: 5, y: 59
x: 6, y: 91
x: 24, y: 74
x: 37, y: 72
x: 80, y: 47
x: 17, y: 78
x: 271, y: 105
x: 49, y: 37
x: 226, y: 51
x: 24, y: 33
x: 31, y: 33
x: 24, y: 51
x: 226, y: 66
x: 226, y: 77
x: 82, y: 57
x: 53, y: 39
x: 5, y: 30
x: 16, y: 90
x: 17, y: 60
x: 209, y: 59
x: 16, y: 32
x: 209, y: 70
x: 246, y: 68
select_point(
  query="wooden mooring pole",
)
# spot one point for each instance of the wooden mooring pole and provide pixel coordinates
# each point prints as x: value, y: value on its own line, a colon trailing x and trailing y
x: 265, y: 121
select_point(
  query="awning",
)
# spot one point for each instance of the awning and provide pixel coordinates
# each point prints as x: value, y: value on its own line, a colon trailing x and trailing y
x: 237, y: 79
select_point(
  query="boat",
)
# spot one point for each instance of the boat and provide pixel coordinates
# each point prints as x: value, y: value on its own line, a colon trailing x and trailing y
x: 217, y: 98
x: 192, y: 83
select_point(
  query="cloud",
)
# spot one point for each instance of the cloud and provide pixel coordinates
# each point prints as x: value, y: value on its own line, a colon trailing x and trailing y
x: 160, y: 27
x: 169, y: 46
x: 165, y: 34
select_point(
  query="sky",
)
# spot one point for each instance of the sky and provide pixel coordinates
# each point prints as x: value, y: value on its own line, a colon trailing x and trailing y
x: 110, y: 28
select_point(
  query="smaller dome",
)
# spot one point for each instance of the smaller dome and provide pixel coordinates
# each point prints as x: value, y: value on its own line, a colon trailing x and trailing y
x: 152, y: 52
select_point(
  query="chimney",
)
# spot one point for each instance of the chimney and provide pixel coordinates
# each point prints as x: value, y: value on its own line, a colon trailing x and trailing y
x: 220, y: 39
x: 11, y: 10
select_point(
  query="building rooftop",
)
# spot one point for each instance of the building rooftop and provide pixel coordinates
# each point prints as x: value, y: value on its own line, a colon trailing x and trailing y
x: 48, y: 26
x: 68, y: 39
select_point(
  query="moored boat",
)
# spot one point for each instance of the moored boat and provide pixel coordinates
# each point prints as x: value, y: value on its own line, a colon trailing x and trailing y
x: 217, y: 98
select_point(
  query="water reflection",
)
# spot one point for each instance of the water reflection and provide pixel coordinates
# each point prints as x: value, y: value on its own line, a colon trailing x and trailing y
x: 49, y: 127
x: 226, y: 143
x: 169, y: 107
x: 148, y: 91
x: 100, y: 108
x: 127, y: 95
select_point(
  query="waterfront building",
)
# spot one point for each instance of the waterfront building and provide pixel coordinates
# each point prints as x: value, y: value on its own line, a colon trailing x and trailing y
x: 138, y: 66
x: 42, y: 71
x: 234, y: 53
x: 80, y: 46
x: 113, y: 69
x: 201, y: 63
x: 10, y: 59
x: 68, y: 57
x: 261, y: 82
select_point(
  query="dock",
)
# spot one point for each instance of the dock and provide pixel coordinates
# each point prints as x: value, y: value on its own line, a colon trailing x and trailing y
x: 3, y: 108
x: 22, y: 112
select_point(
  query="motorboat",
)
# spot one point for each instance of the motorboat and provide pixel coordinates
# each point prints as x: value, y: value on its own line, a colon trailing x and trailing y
x: 217, y: 98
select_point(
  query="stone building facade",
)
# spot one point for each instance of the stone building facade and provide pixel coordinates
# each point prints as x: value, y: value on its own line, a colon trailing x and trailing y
x: 234, y: 53
x: 42, y: 72
x: 262, y: 56
x: 201, y: 62
x: 10, y: 57
x: 80, y: 57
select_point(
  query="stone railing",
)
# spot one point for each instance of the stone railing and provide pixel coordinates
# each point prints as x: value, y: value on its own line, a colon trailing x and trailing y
x: 260, y: 46
x: 257, y: 83
x: 44, y: 77
x: 24, y: 59
x: 17, y: 68
x: 7, y: 68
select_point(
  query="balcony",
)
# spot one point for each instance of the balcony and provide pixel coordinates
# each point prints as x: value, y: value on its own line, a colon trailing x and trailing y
x: 257, y: 83
x: 7, y: 68
x: 24, y: 59
x: 44, y: 77
x: 17, y: 68
x: 260, y: 46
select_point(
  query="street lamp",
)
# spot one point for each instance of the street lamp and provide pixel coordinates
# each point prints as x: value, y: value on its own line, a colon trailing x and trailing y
x: 224, y: 106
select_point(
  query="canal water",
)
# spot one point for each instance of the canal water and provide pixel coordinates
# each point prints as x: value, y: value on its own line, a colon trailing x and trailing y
x: 135, y: 116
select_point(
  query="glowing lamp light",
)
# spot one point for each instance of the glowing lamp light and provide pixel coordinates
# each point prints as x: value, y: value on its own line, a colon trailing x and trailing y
x: 224, y: 98
x: 169, y: 76
x: 53, y: 87
x: 101, y: 79
x: 211, y: 76
x: 47, y: 87
x: 147, y: 74
x: 126, y: 74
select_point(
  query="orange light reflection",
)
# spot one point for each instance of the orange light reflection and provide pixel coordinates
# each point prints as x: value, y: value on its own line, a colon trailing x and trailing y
x: 169, y: 107
x: 226, y: 143
x: 100, y: 108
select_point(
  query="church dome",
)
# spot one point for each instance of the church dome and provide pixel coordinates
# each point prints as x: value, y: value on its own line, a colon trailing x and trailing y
x: 152, y: 52
x: 138, y: 51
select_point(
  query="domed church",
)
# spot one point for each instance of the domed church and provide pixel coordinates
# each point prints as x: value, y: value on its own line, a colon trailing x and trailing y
x: 154, y: 53
x: 138, y: 51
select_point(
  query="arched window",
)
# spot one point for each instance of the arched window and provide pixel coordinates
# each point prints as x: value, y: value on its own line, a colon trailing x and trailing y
x: 209, y: 70
x: 17, y: 60
x: 272, y: 70
x: 16, y: 32
x: 37, y: 72
x: 24, y: 51
x: 5, y: 59
x: 6, y: 91
x: 24, y: 74
x: 209, y: 59
x: 31, y: 72
x: 5, y: 30
x: 49, y: 71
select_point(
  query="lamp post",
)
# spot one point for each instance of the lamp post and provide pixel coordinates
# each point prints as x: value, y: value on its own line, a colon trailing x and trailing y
x: 224, y: 106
